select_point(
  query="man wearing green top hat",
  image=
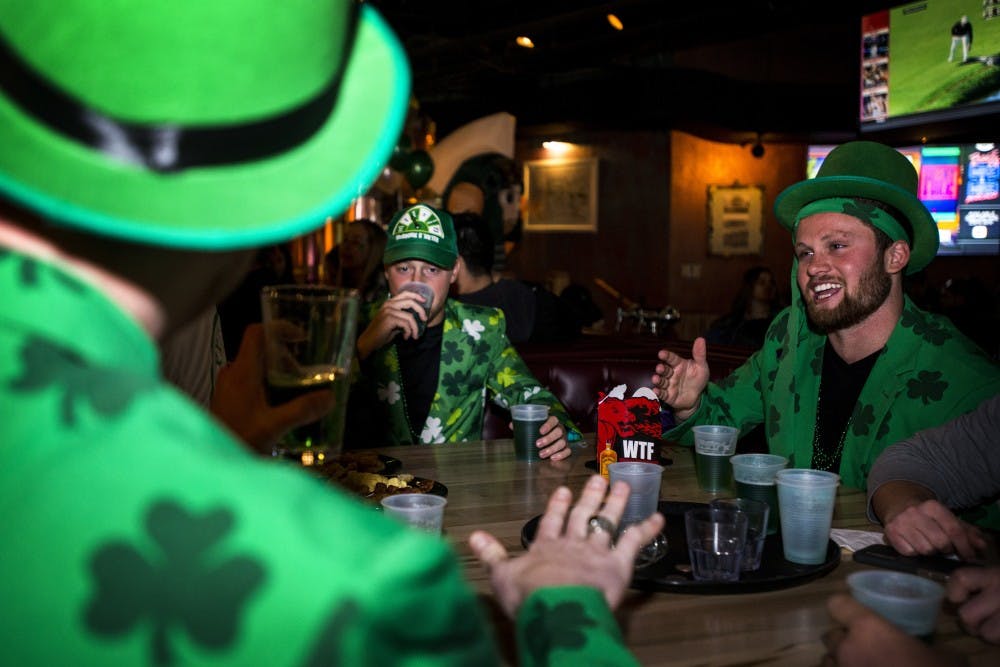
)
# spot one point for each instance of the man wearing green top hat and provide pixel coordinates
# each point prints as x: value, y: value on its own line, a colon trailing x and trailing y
x: 146, y: 149
x: 425, y: 376
x: 852, y: 365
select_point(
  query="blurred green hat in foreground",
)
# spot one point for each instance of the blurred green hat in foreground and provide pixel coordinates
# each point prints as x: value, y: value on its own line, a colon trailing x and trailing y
x: 201, y: 125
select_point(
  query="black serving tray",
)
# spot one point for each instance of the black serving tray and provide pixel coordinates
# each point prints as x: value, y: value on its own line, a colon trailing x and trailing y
x: 672, y: 573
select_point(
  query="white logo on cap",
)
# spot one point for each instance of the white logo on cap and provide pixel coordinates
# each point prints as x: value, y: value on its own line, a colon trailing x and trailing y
x: 420, y: 222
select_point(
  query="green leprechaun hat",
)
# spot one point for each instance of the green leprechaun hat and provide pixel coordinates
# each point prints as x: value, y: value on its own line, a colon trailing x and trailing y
x: 873, y: 171
x: 202, y: 125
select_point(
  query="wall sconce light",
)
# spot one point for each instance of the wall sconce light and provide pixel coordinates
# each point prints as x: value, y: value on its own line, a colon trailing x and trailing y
x: 615, y: 22
x: 525, y: 42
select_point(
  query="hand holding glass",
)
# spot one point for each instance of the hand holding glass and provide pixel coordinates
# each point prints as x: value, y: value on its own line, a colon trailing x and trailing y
x: 309, y: 335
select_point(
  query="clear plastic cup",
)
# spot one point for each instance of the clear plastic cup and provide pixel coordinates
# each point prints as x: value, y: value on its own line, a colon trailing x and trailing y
x: 713, y: 446
x: 716, y: 540
x: 422, y: 511
x: 806, y: 498
x: 643, y: 480
x: 753, y: 477
x: 425, y: 291
x: 528, y: 419
x: 757, y: 513
x: 907, y: 601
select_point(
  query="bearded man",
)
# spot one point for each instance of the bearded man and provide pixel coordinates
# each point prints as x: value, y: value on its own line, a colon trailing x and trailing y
x: 852, y: 365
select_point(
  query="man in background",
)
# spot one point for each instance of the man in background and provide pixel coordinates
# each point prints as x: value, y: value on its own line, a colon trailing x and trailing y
x: 146, y: 149
x: 428, y: 368
x: 533, y: 314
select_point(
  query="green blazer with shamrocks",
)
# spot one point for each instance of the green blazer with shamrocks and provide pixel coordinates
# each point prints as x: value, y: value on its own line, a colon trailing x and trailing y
x: 138, y: 531
x: 927, y: 374
x: 477, y: 362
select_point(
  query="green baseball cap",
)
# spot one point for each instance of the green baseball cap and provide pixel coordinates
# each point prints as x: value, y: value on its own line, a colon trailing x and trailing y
x: 202, y: 125
x: 422, y: 232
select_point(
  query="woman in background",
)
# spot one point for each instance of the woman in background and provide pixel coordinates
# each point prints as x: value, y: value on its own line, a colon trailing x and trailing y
x: 357, y: 261
x: 752, y: 310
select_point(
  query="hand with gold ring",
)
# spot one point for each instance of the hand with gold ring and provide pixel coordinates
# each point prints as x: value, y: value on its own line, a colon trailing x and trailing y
x: 572, y: 547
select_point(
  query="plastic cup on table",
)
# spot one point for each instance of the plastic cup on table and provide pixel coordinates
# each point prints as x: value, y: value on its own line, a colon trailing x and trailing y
x: 644, y: 481
x: 713, y: 446
x: 805, y: 500
x: 528, y: 419
x: 716, y: 540
x: 757, y: 513
x: 422, y: 511
x: 906, y: 600
x: 753, y: 477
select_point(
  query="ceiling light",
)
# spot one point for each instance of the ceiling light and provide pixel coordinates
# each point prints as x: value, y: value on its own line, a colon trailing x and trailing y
x: 615, y: 22
x: 525, y: 42
x: 557, y: 147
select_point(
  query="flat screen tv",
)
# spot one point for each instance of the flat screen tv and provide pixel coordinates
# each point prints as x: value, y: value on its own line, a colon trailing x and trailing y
x: 929, y: 62
x: 960, y: 186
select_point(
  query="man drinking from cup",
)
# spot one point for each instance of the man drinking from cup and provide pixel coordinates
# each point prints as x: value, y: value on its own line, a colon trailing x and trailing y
x: 428, y: 386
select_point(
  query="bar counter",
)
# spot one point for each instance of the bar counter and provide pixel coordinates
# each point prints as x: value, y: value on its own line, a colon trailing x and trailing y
x: 489, y: 489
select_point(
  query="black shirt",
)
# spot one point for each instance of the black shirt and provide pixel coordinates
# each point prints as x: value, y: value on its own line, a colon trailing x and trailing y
x: 419, y: 363
x: 839, y: 388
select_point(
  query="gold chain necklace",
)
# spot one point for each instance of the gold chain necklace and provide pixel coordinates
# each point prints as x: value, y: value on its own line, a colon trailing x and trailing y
x: 821, y: 459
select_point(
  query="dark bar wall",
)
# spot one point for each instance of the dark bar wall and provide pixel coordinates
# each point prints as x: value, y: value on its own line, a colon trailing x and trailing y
x: 652, y: 238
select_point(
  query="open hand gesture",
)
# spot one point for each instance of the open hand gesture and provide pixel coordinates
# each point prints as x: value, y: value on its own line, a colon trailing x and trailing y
x: 679, y: 382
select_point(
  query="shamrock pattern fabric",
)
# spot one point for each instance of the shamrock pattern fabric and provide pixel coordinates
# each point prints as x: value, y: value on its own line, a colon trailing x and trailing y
x: 138, y: 532
x: 478, y: 363
x: 928, y: 373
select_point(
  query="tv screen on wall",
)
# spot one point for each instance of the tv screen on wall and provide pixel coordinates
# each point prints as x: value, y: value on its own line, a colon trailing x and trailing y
x: 959, y: 185
x: 929, y: 61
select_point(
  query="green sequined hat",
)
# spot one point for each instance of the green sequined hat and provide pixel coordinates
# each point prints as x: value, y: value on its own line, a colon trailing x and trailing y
x: 204, y: 125
x: 873, y: 171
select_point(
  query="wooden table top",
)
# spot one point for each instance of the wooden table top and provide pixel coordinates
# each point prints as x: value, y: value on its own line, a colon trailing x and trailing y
x: 489, y: 489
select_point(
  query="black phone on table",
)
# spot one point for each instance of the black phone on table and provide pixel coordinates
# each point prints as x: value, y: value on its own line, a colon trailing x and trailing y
x: 933, y: 567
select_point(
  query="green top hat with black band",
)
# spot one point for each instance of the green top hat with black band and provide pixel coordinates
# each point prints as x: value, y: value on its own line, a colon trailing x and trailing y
x: 202, y: 125
x: 422, y: 232
x: 874, y: 171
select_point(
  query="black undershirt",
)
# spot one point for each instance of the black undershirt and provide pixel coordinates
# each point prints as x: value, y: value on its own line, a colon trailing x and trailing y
x: 419, y: 362
x: 840, y: 387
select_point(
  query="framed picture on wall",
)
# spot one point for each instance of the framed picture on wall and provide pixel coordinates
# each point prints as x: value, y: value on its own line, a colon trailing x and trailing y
x: 561, y: 195
x: 735, y: 220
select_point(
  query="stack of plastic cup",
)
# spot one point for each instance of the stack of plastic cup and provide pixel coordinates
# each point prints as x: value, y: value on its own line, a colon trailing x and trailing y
x: 806, y: 499
x: 753, y: 476
x: 716, y: 540
x: 906, y: 600
x: 757, y: 513
x: 713, y: 446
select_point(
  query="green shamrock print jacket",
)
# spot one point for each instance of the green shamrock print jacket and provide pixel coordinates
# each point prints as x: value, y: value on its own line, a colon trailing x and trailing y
x: 928, y: 374
x: 137, y: 531
x: 478, y: 363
